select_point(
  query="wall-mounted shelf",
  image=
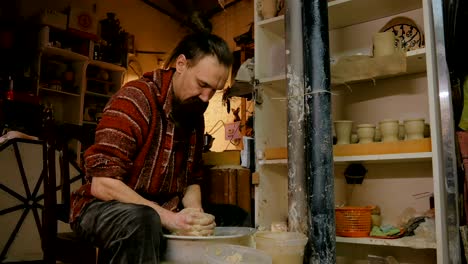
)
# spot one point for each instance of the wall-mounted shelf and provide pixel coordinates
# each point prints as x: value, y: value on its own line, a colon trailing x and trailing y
x: 274, y: 25
x: 385, y: 158
x: 367, y: 159
x: 98, y: 94
x: 99, y: 80
x: 58, y: 92
x: 63, y: 53
x: 89, y: 122
x: 273, y: 162
x: 409, y: 242
x: 415, y: 63
x: 107, y: 66
x: 343, y: 13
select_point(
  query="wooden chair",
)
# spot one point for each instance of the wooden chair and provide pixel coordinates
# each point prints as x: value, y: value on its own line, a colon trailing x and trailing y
x: 65, y: 247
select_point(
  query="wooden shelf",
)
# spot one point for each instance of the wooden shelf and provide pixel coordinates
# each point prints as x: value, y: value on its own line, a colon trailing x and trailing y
x: 365, y: 10
x: 58, y: 92
x: 385, y: 158
x: 409, y: 242
x: 98, y: 94
x: 384, y: 148
x: 415, y: 63
x: 89, y: 122
x: 273, y: 162
x: 278, y: 79
x: 64, y: 54
x: 99, y: 80
x: 107, y: 66
x: 368, y: 159
x: 274, y: 25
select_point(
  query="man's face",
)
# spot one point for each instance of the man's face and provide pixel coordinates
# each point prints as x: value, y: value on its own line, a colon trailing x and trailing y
x: 195, y: 85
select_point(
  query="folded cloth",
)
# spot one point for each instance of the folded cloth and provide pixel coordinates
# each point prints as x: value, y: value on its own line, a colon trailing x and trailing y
x: 389, y: 232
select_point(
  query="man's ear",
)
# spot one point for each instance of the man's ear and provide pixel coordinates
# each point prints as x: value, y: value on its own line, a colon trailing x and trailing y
x: 181, y: 63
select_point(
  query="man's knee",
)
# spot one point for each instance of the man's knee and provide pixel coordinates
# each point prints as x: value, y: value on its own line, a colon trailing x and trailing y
x: 145, y: 218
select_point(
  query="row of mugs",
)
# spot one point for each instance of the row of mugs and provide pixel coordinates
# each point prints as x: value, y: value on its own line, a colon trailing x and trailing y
x: 388, y: 130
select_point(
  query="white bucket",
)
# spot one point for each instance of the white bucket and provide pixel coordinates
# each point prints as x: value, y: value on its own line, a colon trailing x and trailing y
x: 283, y: 247
x: 191, y: 249
x: 232, y: 254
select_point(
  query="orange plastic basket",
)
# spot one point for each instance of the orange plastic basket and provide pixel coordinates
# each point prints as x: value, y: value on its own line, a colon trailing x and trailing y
x: 353, y: 221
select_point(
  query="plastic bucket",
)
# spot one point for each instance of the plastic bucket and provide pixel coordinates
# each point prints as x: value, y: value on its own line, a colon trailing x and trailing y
x: 283, y: 247
x: 233, y: 254
x: 190, y: 249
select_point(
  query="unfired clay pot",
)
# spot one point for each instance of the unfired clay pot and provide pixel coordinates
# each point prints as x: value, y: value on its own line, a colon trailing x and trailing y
x: 427, y: 130
x: 384, y: 43
x: 366, y: 133
x: 269, y: 8
x: 414, y: 128
x: 377, y: 135
x: 343, y: 131
x: 401, y: 132
x: 389, y: 130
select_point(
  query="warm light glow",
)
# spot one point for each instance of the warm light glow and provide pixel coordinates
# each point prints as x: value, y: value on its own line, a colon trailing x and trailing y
x: 130, y: 77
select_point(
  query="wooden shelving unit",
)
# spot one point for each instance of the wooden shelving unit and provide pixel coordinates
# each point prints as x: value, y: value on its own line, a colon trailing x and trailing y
x: 393, y: 179
x: 63, y: 54
x: 366, y: 10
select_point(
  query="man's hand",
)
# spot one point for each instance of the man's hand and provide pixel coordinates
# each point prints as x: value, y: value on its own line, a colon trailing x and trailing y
x: 192, y: 222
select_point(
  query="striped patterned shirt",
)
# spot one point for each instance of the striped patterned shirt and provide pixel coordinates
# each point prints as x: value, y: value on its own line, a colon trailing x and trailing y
x: 138, y: 143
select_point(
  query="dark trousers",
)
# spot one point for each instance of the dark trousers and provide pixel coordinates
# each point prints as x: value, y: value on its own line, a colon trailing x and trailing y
x: 124, y: 233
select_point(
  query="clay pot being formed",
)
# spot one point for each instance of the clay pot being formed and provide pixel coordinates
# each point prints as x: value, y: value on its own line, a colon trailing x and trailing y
x: 366, y: 133
x: 343, y: 131
x: 414, y: 128
x: 389, y: 130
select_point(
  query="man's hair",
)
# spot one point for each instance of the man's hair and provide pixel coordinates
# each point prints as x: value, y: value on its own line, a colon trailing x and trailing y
x: 199, y: 45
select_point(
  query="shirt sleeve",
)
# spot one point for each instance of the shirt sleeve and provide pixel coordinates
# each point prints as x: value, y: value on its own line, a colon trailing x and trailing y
x: 120, y: 133
x: 197, y: 173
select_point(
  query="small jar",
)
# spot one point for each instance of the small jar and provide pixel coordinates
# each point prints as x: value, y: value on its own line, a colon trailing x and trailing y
x: 389, y: 130
x: 366, y: 133
x: 343, y: 131
x: 414, y: 128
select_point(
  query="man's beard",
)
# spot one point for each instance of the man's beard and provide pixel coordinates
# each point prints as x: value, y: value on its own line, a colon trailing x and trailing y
x: 186, y: 113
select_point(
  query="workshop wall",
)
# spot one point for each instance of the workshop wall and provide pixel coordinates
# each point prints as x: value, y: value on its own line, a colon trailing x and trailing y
x: 229, y: 23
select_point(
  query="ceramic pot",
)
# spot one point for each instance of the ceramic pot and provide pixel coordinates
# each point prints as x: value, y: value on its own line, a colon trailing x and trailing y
x: 414, y: 128
x: 401, y: 131
x: 384, y: 43
x: 389, y: 130
x: 377, y: 135
x: 427, y: 130
x: 269, y: 8
x: 343, y: 131
x: 366, y: 133
x: 354, y: 138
